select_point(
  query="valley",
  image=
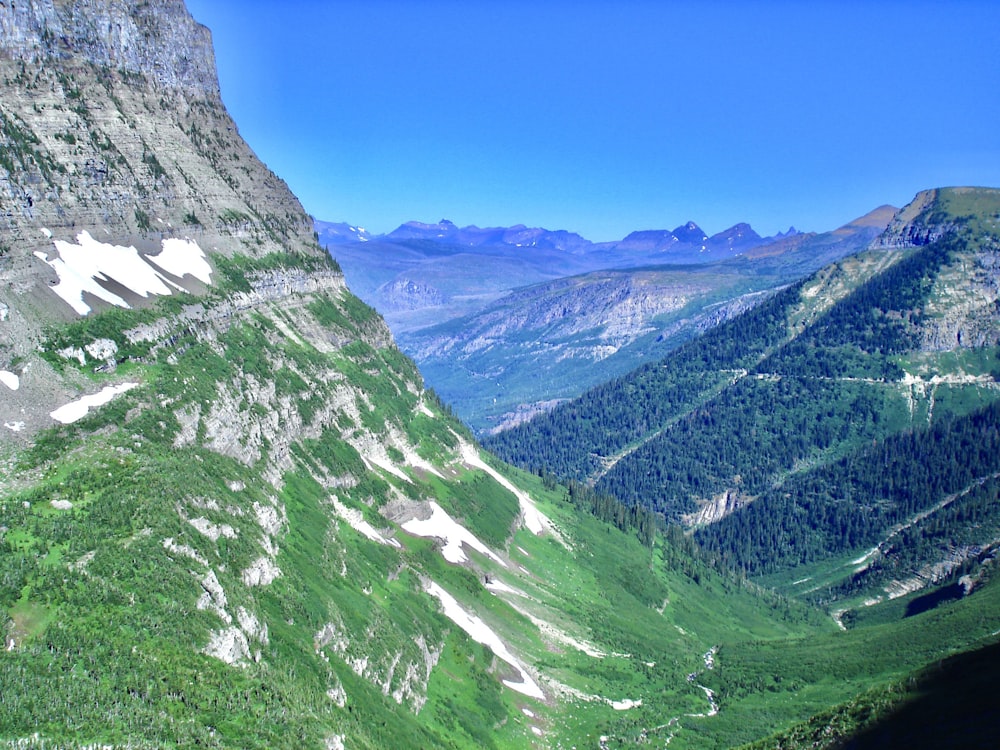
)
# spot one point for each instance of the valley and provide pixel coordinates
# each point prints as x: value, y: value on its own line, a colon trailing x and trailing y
x: 506, y: 328
x: 234, y: 513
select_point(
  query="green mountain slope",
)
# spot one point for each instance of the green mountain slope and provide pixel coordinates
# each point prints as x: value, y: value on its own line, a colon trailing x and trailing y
x: 232, y: 517
x: 820, y: 382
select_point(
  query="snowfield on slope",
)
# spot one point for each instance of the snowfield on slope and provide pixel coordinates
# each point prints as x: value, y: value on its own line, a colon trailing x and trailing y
x: 534, y: 520
x: 442, y: 526
x: 80, y: 267
x: 482, y: 633
x: 74, y: 411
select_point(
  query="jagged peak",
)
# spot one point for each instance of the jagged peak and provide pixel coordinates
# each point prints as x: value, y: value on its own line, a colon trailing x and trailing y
x: 690, y: 232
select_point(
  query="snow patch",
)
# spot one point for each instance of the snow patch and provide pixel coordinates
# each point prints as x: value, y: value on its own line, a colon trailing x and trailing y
x: 624, y: 705
x: 14, y: 426
x: 498, y: 586
x: 534, y: 520
x: 80, y: 266
x: 47, y: 232
x: 357, y: 521
x: 77, y: 410
x: 442, y: 526
x: 10, y: 380
x: 181, y: 257
x: 480, y: 632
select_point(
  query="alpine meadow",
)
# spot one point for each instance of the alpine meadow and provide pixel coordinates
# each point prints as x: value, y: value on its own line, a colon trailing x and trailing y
x: 704, y: 492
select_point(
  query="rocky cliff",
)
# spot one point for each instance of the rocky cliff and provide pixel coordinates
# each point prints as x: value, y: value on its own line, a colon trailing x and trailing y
x: 114, y: 147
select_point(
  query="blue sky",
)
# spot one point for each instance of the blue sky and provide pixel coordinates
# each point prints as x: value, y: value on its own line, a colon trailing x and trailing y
x: 605, y: 117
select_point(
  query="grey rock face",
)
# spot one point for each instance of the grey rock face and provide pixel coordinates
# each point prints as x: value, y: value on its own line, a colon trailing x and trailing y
x: 159, y: 41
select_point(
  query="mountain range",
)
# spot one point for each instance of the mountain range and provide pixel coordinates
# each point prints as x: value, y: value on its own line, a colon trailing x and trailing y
x: 234, y: 515
x: 505, y: 328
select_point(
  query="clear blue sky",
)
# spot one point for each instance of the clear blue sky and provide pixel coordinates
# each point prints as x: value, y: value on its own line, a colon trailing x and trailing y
x: 603, y: 116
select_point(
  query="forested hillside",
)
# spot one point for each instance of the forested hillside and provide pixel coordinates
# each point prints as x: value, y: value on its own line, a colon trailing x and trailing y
x: 776, y: 424
x: 232, y: 515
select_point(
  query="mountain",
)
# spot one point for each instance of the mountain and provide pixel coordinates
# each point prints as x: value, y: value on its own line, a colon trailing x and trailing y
x: 340, y: 233
x: 457, y: 300
x: 522, y: 352
x: 470, y: 266
x: 231, y: 516
x: 824, y: 423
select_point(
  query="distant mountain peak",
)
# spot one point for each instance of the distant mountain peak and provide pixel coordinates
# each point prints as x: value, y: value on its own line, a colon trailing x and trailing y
x: 690, y: 233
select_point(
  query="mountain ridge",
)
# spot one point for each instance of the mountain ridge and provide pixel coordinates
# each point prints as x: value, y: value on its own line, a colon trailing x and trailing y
x: 496, y: 353
x: 233, y: 516
x: 821, y: 377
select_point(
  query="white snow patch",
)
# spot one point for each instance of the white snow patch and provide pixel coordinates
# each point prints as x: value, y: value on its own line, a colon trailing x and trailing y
x: 10, y: 380
x: 385, y: 464
x: 534, y: 520
x: 528, y: 712
x: 15, y: 426
x: 480, y: 632
x: 497, y: 586
x: 181, y: 257
x: 62, y: 504
x: 80, y: 267
x: 572, y: 692
x: 356, y: 520
x: 47, y: 232
x: 442, y: 526
x: 536, y: 731
x: 77, y: 410
x: 624, y: 705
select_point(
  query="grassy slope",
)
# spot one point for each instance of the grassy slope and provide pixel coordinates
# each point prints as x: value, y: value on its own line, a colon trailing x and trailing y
x: 111, y: 603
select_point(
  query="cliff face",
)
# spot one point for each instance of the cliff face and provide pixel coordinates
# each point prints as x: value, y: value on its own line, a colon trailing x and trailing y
x: 111, y: 122
x: 159, y: 41
x: 123, y: 180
